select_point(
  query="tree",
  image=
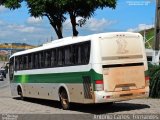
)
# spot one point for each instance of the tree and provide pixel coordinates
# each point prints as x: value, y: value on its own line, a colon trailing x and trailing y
x: 84, y: 9
x: 78, y: 8
x: 52, y: 10
x: 12, y: 4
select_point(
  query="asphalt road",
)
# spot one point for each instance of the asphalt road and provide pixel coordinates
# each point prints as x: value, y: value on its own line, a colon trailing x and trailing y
x: 38, y: 107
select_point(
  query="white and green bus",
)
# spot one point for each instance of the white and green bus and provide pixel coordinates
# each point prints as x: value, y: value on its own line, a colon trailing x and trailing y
x: 99, y: 68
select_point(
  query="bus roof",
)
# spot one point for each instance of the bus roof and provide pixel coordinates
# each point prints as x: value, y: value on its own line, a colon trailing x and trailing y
x: 72, y: 40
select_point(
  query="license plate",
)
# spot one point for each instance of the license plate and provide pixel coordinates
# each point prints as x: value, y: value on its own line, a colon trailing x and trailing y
x: 125, y: 88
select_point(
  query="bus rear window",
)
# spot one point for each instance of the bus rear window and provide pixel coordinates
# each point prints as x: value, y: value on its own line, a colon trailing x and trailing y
x: 124, y: 47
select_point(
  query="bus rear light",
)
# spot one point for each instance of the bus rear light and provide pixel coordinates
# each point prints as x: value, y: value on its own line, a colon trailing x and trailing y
x: 108, y: 97
x: 99, y: 81
x: 147, y: 80
x: 99, y: 85
x: 142, y: 93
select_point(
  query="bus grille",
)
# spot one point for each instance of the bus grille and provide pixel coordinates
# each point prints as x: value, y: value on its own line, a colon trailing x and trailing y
x: 87, y: 87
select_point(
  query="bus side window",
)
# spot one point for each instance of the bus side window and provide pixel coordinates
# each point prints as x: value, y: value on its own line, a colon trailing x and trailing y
x: 29, y: 62
x: 20, y: 63
x: 25, y: 62
x: 67, y: 55
x: 39, y: 59
x: 33, y: 61
x: 77, y: 54
x: 36, y: 60
x: 27, y: 65
x: 85, y: 53
x: 74, y: 54
x: 16, y: 63
x: 81, y: 53
x: 47, y: 57
x: 60, y: 56
x: 42, y: 59
x: 53, y: 58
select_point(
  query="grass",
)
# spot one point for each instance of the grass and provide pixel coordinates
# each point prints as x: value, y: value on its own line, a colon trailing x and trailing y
x: 3, y: 58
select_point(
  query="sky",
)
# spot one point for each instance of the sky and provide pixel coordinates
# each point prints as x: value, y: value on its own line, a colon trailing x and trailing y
x: 130, y: 15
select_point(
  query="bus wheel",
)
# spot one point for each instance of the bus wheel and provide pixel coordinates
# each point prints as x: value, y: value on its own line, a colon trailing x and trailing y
x: 20, y: 93
x: 64, y: 99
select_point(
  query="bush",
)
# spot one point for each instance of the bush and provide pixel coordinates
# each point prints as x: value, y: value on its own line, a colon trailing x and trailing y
x: 3, y: 58
x: 154, y: 74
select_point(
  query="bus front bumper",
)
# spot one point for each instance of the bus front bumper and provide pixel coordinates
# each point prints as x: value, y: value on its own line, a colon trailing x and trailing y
x: 103, y: 96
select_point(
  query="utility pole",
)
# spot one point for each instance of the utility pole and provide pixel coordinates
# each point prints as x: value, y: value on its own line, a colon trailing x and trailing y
x: 156, y: 54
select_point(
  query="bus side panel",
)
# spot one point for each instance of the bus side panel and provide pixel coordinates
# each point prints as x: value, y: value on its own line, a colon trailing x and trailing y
x: 41, y: 90
x: 50, y: 91
x: 46, y: 86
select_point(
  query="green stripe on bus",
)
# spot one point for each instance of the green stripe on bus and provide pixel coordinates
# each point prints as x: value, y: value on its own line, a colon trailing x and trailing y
x: 72, y: 77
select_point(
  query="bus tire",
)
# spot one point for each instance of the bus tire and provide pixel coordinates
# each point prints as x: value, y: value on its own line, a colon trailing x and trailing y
x: 64, y: 99
x: 19, y: 90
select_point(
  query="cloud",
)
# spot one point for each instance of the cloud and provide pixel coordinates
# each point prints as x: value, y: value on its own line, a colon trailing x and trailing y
x: 22, y: 28
x: 2, y: 8
x: 24, y: 33
x: 99, y: 24
x: 92, y: 24
x: 1, y: 22
x: 33, y: 20
x: 140, y: 27
x: 39, y: 33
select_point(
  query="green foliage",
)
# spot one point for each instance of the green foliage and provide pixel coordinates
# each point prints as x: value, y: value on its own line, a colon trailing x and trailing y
x: 105, y: 3
x: 149, y: 36
x: 36, y: 7
x: 154, y: 74
x: 3, y: 58
x: 13, y: 4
